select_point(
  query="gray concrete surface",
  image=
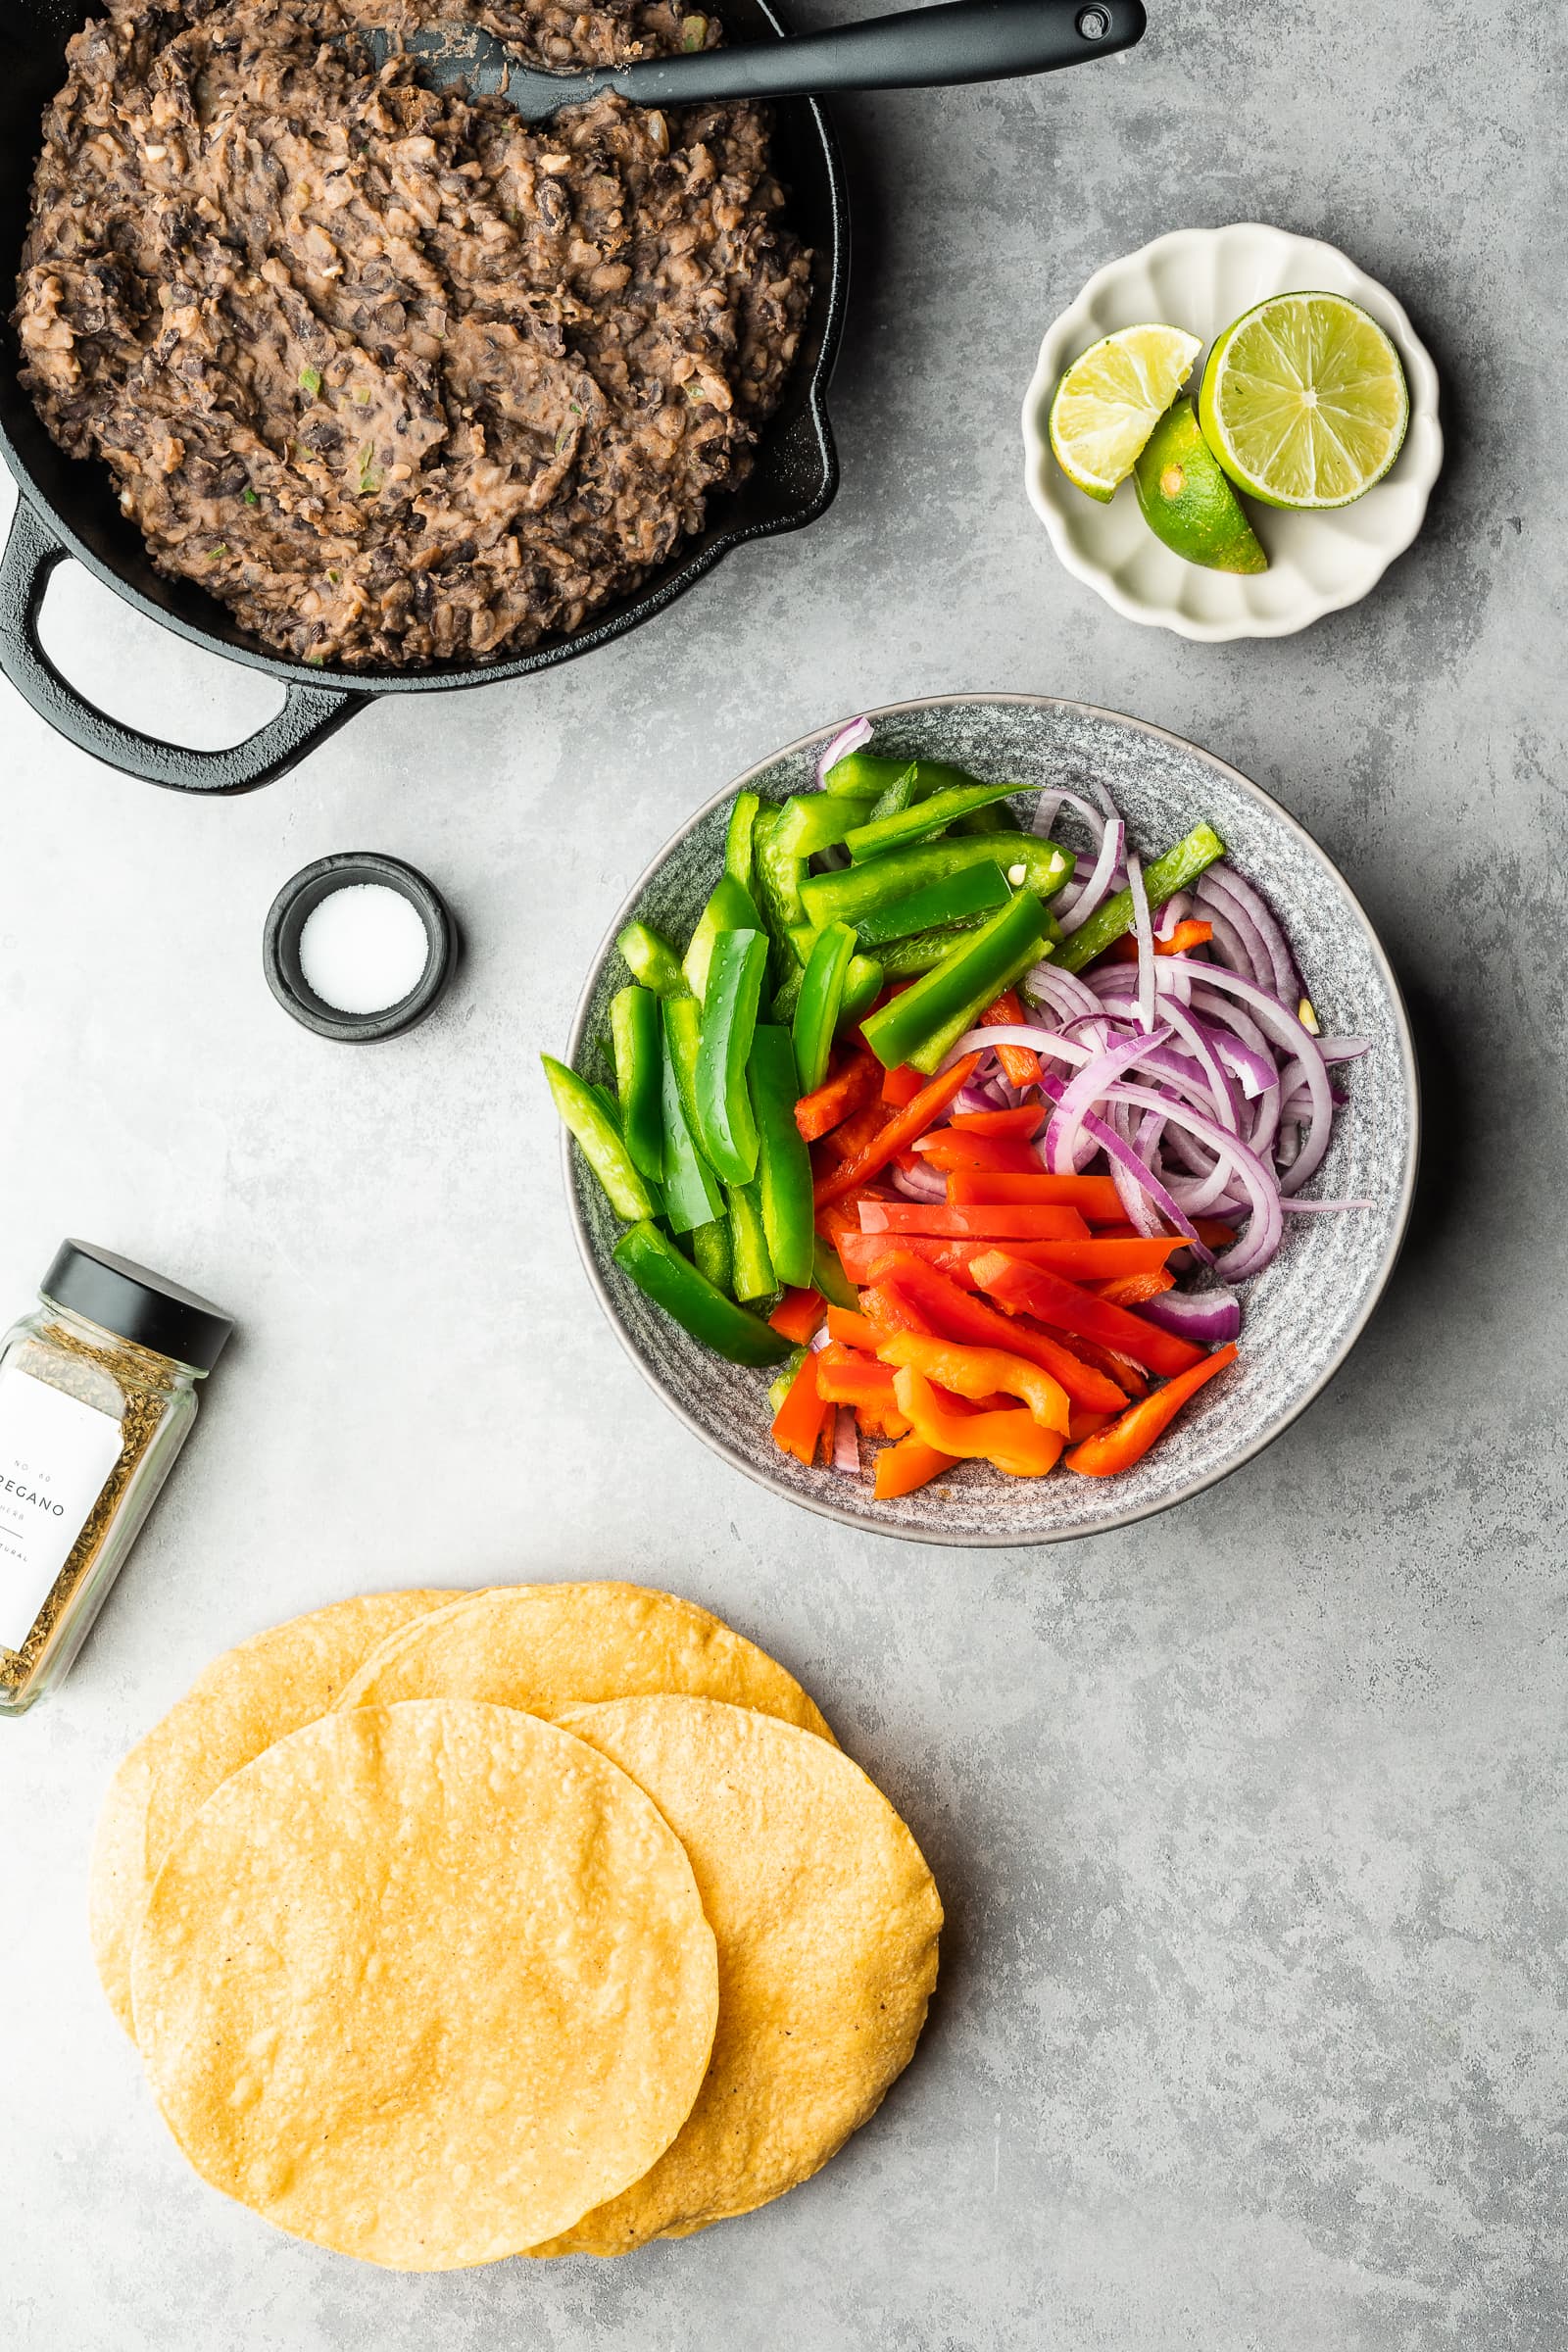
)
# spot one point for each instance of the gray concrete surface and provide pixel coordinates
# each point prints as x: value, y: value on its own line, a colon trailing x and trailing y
x: 1252, y: 2031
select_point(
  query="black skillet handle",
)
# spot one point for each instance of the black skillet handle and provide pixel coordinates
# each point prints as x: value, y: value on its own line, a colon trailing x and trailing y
x: 309, y: 715
x: 963, y: 40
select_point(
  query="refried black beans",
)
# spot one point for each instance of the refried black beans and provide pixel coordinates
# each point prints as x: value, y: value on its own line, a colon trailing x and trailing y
x: 398, y: 378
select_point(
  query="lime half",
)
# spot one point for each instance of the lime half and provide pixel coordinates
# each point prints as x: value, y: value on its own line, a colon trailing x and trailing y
x: 1187, y: 500
x: 1109, y: 403
x: 1304, y: 402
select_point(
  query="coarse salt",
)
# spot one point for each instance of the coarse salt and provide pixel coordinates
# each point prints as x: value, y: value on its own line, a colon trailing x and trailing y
x: 364, y: 947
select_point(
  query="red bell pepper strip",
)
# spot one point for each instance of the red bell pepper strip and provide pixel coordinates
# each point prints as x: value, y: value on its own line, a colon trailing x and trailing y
x: 1019, y: 1066
x: 798, y: 1316
x: 1035, y: 1291
x: 900, y: 1132
x: 1025, y: 1120
x: 1187, y: 935
x: 1121, y: 1369
x: 913, y: 1292
x: 1024, y: 1223
x: 816, y: 1115
x: 849, y: 1140
x: 798, y: 1423
x: 1132, y: 1432
x: 911, y: 1463
x: 1095, y: 1259
x: 978, y: 1373
x: 1135, y: 1290
x: 890, y: 1310
x: 1212, y: 1231
x: 900, y: 1085
x: 1087, y: 1425
x: 993, y: 1154
x: 1094, y: 1196
x: 1012, y: 1440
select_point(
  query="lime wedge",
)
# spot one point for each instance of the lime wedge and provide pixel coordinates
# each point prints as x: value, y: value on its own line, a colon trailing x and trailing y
x: 1303, y: 401
x: 1187, y: 500
x: 1109, y: 403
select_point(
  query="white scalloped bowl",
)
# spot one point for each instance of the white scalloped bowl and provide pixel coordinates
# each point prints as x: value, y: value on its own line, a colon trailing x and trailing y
x: 1201, y: 280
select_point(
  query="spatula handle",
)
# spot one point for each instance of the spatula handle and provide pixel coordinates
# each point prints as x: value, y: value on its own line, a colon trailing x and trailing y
x: 962, y: 40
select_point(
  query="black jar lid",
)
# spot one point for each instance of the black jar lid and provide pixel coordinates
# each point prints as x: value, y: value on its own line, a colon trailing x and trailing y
x: 136, y: 1305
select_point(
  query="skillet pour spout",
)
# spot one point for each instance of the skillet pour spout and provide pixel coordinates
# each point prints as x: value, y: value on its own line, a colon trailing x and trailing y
x: 68, y: 508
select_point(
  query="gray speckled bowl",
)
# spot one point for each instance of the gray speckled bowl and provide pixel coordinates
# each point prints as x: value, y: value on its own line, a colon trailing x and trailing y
x: 1300, y: 1317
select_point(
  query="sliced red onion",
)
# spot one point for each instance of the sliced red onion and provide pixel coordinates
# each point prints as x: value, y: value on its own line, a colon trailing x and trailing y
x: 852, y: 738
x: 1262, y: 1239
x: 1298, y: 1042
x: 1226, y: 944
x: 1052, y: 804
x: 819, y: 1340
x: 1083, y: 901
x: 1208, y: 1318
x: 846, y: 1444
x: 1038, y: 1040
x: 1322, y: 1207
x: 1064, y: 1137
x: 920, y: 1183
x: 1175, y: 910
x: 1344, y: 1049
x: 1143, y: 933
x: 1223, y: 882
x: 970, y: 1098
x: 1123, y: 1155
x: 1256, y: 962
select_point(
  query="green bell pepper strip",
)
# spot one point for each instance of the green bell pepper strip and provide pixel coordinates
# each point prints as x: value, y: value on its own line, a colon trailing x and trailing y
x: 1028, y: 862
x: 730, y: 908
x: 692, y: 1196
x: 828, y: 1277
x: 601, y: 1142
x: 972, y: 975
x: 815, y: 821
x: 634, y: 1032
x: 863, y: 985
x: 738, y: 863
x: 726, y: 1127
x: 778, y: 874
x: 788, y: 995
x: 780, y: 1386
x: 752, y: 1273
x: 925, y: 818
x: 783, y: 1163
x: 714, y: 1253
x: 652, y: 961
x: 934, y: 1053
x: 658, y: 1269
x: 871, y: 774
x: 1178, y: 869
x: 974, y: 890
x: 898, y: 795
x: 822, y: 996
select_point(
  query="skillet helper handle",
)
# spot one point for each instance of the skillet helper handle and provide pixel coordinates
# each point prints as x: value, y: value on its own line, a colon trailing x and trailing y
x: 309, y: 713
x: 962, y: 40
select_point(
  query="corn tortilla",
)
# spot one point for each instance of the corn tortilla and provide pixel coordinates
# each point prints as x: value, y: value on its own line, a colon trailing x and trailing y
x: 548, y: 1647
x: 423, y: 1984
x: 237, y: 1706
x: 827, y: 1922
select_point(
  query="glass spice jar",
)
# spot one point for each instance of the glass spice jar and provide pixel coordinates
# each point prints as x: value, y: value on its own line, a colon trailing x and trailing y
x: 97, y: 1396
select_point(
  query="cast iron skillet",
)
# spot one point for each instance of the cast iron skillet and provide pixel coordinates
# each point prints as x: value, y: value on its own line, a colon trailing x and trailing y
x: 67, y: 505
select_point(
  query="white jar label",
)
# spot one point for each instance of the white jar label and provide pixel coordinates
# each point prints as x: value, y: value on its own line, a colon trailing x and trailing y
x: 55, y: 1454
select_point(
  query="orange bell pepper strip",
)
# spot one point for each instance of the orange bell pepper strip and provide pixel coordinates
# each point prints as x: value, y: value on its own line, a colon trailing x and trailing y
x: 861, y: 1127
x: 1023, y: 1121
x: 1035, y: 1291
x: 1027, y: 1222
x: 911, y: 1463
x: 1083, y: 1260
x: 900, y: 1085
x: 1087, y: 1425
x: 899, y: 1133
x: 798, y: 1316
x: 816, y: 1115
x: 844, y: 1376
x: 911, y: 1291
x: 980, y: 1373
x: 798, y: 1423
x: 1132, y: 1432
x: 881, y: 1420
x: 989, y: 1155
x: 1013, y: 1439
x: 1136, y: 1289
x: 855, y: 1331
x: 1019, y: 1066
x: 1092, y: 1197
x: 1187, y: 935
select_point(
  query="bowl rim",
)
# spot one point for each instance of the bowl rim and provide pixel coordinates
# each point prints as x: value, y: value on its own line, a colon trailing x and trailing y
x: 1425, y: 466
x: 825, y: 1506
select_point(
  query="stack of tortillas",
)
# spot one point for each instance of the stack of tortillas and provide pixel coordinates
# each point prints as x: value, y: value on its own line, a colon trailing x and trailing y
x: 543, y: 1920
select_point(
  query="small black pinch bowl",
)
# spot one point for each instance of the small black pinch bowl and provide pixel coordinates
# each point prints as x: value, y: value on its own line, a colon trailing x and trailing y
x: 298, y: 900
x: 1301, y: 1316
